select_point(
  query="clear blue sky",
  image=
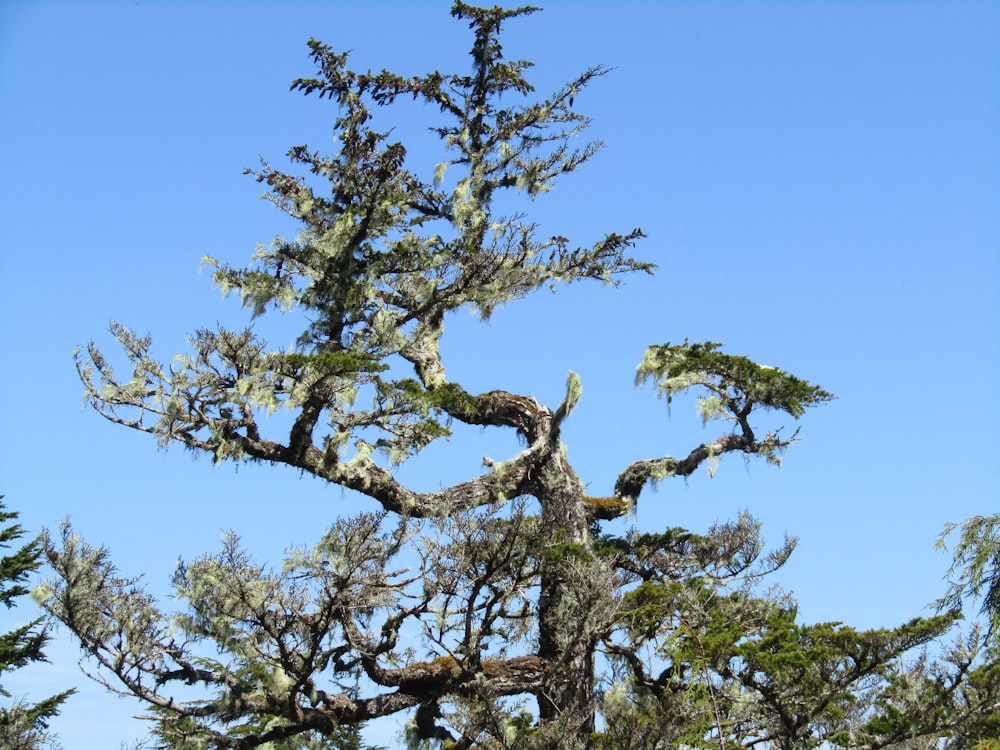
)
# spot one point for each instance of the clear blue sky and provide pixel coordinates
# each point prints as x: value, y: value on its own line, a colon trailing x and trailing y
x: 820, y: 182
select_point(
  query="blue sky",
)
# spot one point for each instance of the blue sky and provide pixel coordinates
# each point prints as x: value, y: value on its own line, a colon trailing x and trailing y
x: 820, y: 183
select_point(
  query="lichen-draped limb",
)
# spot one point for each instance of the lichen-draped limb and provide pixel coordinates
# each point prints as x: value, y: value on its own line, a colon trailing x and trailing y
x: 213, y: 402
x: 736, y: 387
x: 287, y: 645
x: 632, y: 480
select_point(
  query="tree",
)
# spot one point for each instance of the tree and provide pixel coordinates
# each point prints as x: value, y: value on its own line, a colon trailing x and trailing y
x: 23, y: 726
x: 976, y: 558
x: 482, y: 608
x: 976, y: 561
x: 739, y: 672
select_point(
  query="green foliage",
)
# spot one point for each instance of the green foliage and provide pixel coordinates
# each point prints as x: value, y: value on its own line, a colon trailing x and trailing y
x: 341, y: 738
x: 704, y: 657
x: 23, y: 726
x: 976, y: 561
x: 739, y: 669
x: 170, y: 733
x: 337, y: 363
x: 736, y: 383
x: 561, y: 552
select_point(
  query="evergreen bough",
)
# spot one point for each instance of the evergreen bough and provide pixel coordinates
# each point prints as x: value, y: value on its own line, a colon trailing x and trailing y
x: 23, y: 725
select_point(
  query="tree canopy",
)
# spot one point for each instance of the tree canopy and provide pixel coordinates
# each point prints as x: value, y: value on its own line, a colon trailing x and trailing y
x: 498, y: 611
x: 976, y: 568
x: 23, y: 725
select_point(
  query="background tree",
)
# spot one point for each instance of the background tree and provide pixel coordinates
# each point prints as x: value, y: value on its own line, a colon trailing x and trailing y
x: 710, y: 660
x: 483, y: 607
x: 976, y: 561
x: 974, y: 576
x: 22, y: 725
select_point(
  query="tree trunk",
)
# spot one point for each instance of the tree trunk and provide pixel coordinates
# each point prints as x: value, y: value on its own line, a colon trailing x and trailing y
x: 564, y: 639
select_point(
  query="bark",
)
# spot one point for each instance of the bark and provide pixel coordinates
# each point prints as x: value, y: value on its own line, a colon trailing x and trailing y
x: 563, y: 641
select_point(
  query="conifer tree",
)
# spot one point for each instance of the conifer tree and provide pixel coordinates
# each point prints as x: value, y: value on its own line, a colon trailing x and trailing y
x: 23, y: 726
x: 497, y: 612
x: 976, y: 567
